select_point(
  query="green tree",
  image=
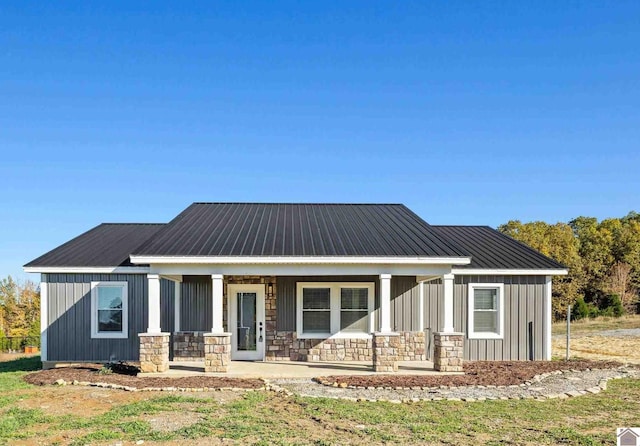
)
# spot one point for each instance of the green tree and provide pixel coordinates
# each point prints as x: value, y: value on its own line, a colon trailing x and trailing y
x: 558, y: 242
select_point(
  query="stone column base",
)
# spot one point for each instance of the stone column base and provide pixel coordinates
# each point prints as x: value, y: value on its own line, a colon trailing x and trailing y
x: 154, y: 352
x: 448, y: 351
x: 385, y: 352
x: 217, y: 352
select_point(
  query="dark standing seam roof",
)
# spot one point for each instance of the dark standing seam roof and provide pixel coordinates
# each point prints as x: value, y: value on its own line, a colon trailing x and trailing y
x: 491, y: 249
x: 108, y: 244
x: 272, y: 229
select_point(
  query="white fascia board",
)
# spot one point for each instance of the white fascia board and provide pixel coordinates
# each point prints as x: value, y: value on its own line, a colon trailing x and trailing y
x: 509, y: 272
x: 306, y: 260
x: 300, y: 270
x: 87, y: 269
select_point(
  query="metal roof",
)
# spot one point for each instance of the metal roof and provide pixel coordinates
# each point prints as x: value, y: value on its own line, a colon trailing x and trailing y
x: 491, y: 249
x: 272, y: 229
x: 287, y: 229
x: 108, y: 244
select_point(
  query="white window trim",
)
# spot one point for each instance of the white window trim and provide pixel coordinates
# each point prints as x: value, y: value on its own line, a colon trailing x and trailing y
x: 335, y: 303
x: 95, y: 334
x: 484, y: 334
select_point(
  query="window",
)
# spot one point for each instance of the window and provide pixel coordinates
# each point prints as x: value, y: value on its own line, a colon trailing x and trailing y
x: 354, y: 309
x: 316, y: 310
x: 335, y: 309
x: 486, y: 310
x: 109, y: 315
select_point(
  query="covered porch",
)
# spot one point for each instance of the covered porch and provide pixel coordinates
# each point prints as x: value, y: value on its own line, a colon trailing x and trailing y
x: 269, y: 341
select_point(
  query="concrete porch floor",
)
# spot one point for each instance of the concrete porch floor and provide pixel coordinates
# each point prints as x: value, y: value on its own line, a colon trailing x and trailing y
x: 294, y: 369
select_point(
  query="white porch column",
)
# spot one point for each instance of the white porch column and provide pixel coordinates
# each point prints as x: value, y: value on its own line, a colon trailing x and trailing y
x: 547, y: 317
x: 385, y: 303
x: 154, y: 303
x: 447, y: 304
x: 216, y: 300
x: 176, y: 306
x: 44, y: 318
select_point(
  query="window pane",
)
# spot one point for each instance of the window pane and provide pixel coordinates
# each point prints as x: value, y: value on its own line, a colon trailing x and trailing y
x: 109, y: 297
x: 485, y: 299
x: 354, y: 298
x: 316, y: 321
x: 246, y: 318
x: 486, y: 321
x: 109, y: 320
x: 315, y: 298
x: 354, y: 321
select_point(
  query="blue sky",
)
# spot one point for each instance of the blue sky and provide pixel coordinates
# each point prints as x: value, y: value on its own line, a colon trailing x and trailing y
x: 468, y: 112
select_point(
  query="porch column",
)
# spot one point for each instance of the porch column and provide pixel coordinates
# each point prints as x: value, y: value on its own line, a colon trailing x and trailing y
x: 176, y: 305
x: 154, y: 303
x: 154, y: 345
x: 385, y: 343
x: 216, y: 300
x: 448, y: 345
x: 217, y: 344
x: 385, y: 303
x: 447, y: 303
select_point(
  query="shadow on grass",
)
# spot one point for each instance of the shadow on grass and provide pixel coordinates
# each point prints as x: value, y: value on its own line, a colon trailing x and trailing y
x: 25, y: 364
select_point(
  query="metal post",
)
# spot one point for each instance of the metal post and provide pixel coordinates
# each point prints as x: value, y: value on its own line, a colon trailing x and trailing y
x: 568, y: 330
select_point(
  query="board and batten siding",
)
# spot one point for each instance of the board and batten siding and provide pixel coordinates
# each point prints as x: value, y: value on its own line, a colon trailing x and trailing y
x: 196, y: 303
x: 523, y: 304
x: 69, y: 317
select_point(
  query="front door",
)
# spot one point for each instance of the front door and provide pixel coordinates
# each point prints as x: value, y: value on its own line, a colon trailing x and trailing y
x: 246, y: 321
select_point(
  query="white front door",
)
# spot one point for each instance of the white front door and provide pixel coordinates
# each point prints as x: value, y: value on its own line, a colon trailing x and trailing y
x: 246, y: 321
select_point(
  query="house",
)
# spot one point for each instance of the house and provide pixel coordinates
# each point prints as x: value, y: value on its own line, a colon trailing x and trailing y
x: 296, y: 282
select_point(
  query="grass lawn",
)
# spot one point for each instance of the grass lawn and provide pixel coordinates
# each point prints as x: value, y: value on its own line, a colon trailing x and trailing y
x: 79, y: 415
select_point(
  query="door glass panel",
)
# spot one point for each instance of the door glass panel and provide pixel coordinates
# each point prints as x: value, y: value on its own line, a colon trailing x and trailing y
x: 246, y: 330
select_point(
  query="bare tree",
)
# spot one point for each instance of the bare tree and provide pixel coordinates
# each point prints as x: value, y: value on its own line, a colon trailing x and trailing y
x: 619, y: 282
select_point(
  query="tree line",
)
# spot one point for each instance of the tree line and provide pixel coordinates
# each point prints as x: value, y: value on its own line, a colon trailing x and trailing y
x: 19, y: 313
x: 603, y: 259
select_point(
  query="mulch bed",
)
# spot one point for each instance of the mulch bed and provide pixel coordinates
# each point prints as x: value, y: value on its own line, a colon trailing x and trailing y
x: 480, y: 373
x: 90, y: 374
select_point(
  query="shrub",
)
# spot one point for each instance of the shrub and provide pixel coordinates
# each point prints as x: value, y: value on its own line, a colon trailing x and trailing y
x: 611, y: 305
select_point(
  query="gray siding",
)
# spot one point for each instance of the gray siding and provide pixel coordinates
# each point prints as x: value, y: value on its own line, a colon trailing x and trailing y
x: 405, y: 303
x: 69, y: 317
x: 524, y: 303
x: 195, y: 304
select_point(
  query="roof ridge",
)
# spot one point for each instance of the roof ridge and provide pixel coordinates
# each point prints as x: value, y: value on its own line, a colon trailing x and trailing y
x: 300, y: 203
x: 462, y: 226
x: 131, y: 224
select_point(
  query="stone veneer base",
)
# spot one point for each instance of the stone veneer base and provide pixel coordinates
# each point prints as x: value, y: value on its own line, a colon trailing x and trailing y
x: 217, y: 352
x: 386, y: 347
x: 448, y: 352
x: 154, y: 352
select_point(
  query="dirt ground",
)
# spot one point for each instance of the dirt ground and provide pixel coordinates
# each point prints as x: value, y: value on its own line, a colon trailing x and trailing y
x: 482, y: 373
x: 90, y: 373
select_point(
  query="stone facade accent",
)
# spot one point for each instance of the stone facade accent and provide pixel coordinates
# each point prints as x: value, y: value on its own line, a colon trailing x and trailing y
x: 448, y: 351
x: 154, y: 352
x: 217, y: 352
x: 285, y: 346
x: 386, y: 347
x: 413, y: 346
x: 188, y: 346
